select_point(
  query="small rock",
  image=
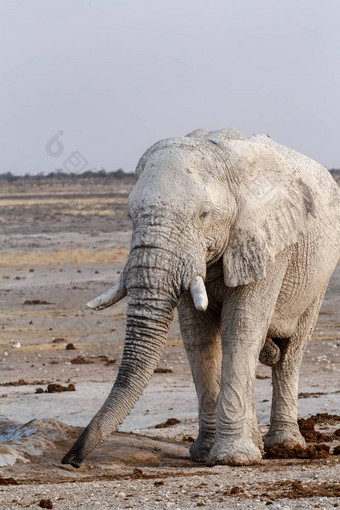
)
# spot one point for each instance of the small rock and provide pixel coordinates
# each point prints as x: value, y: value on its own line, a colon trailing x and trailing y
x: 45, y: 503
x: 17, y: 345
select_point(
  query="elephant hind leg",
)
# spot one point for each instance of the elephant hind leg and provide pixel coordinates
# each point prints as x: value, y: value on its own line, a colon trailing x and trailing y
x: 284, y: 429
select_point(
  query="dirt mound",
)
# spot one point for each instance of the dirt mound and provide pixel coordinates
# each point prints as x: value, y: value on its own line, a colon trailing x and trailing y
x: 319, y: 451
x: 307, y: 429
x: 325, y: 418
x: 21, y: 442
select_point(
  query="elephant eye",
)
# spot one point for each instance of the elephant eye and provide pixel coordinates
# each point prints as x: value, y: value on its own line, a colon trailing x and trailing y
x: 204, y: 212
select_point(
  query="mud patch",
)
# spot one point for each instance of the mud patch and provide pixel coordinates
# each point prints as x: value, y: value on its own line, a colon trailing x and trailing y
x: 8, y: 481
x: 314, y: 394
x: 160, y: 370
x: 319, y: 451
x: 296, y: 490
x: 37, y: 302
x: 58, y: 388
x: 81, y: 360
x: 22, y: 382
x: 325, y: 418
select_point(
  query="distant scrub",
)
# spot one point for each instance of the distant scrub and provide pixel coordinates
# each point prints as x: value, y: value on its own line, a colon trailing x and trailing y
x: 61, y: 174
x: 91, y: 174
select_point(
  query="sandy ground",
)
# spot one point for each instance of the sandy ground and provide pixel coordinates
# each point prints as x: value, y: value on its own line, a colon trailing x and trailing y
x: 62, y: 244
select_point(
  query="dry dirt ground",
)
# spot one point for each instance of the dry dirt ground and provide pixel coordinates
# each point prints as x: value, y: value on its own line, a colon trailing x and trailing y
x: 61, y: 244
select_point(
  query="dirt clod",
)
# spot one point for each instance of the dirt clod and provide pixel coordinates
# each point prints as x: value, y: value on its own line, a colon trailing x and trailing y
x: 58, y: 340
x: 45, y: 503
x: 58, y: 388
x: 188, y: 439
x: 236, y: 490
x: 55, y: 388
x: 161, y: 370
x: 336, y: 450
x: 22, y: 382
x: 319, y: 451
x: 168, y: 423
x: 158, y: 483
x: 325, y: 418
x: 37, y: 302
x: 137, y: 474
x: 8, y: 481
x: 106, y: 360
x: 307, y: 429
x: 81, y: 360
x: 70, y: 347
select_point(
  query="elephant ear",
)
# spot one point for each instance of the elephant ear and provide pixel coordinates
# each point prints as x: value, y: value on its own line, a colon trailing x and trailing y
x: 275, y: 203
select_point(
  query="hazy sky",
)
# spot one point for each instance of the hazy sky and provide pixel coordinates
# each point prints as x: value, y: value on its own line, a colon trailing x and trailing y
x: 116, y: 76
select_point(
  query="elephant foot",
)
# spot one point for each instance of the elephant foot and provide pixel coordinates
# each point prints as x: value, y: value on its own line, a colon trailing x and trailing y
x: 257, y: 438
x: 199, y: 450
x: 240, y: 452
x: 289, y: 437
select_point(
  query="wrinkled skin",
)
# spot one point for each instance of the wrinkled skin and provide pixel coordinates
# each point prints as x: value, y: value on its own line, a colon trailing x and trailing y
x: 260, y: 224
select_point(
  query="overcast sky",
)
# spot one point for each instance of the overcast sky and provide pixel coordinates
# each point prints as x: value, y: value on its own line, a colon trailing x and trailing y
x: 116, y: 76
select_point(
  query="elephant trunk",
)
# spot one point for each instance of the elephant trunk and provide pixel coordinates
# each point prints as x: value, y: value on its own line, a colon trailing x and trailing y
x: 154, y: 284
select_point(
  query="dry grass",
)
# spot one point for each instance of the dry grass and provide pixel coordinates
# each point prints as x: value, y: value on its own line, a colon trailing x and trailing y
x: 80, y: 256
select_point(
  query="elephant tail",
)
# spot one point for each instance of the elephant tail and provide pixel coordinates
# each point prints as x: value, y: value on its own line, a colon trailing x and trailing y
x: 270, y: 354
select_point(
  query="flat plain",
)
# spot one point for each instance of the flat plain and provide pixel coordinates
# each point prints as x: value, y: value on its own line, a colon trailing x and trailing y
x: 62, y: 243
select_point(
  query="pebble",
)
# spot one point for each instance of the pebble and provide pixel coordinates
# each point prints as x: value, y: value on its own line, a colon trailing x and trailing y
x: 17, y: 345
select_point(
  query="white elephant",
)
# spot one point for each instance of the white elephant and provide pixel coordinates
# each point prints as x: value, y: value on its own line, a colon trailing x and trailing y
x: 242, y: 234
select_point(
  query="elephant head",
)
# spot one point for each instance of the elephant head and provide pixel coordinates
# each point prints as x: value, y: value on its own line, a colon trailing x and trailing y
x: 202, y: 198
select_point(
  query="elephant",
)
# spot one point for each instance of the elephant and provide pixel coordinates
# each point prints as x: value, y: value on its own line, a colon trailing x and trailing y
x: 241, y: 235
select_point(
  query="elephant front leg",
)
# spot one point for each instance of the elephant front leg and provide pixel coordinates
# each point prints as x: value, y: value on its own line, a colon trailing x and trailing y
x: 235, y: 442
x: 246, y: 316
x: 202, y: 341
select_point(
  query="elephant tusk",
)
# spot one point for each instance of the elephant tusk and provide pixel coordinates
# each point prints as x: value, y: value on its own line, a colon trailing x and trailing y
x: 199, y: 294
x: 107, y: 299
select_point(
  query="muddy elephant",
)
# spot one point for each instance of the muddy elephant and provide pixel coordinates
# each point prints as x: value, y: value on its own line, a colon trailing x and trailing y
x: 242, y: 235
